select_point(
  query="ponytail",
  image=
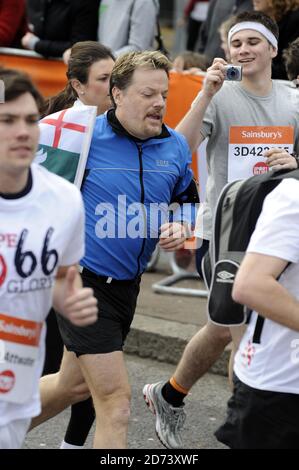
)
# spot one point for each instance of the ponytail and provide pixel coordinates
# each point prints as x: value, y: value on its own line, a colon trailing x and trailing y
x: 63, y: 100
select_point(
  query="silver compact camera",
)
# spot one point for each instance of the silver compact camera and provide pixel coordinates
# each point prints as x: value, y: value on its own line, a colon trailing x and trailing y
x: 233, y: 72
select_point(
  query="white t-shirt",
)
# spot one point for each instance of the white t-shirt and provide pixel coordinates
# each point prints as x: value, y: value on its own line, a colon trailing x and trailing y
x: 273, y: 364
x: 38, y: 233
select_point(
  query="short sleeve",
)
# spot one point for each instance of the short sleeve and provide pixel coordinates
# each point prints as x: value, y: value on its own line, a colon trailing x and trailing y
x: 277, y: 230
x: 75, y: 247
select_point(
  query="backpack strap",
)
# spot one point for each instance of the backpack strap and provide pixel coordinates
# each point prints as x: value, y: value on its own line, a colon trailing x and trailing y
x: 258, y: 330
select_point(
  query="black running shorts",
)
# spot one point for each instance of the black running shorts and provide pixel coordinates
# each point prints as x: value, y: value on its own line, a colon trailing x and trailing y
x: 259, y: 419
x: 117, y: 302
x: 54, y: 345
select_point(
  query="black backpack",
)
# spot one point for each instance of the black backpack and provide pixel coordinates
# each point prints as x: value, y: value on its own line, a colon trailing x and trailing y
x: 237, y: 211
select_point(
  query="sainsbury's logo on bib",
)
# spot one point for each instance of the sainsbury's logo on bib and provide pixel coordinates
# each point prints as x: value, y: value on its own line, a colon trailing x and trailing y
x: 274, y: 135
x: 17, y: 330
x: 20, y: 340
x: 262, y: 135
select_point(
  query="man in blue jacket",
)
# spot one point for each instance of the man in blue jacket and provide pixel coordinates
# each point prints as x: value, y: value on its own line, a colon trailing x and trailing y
x: 136, y: 168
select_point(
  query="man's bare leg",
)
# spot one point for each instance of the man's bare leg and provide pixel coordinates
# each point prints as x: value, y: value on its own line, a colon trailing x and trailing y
x: 60, y: 390
x: 201, y: 353
x: 107, y: 378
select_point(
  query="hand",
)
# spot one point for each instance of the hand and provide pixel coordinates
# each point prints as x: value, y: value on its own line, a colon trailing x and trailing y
x: 66, y: 55
x: 172, y: 236
x: 214, y: 78
x: 280, y: 159
x: 181, y: 22
x: 80, y: 305
x: 29, y: 40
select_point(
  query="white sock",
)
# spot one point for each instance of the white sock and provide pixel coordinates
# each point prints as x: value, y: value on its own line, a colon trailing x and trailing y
x: 66, y: 445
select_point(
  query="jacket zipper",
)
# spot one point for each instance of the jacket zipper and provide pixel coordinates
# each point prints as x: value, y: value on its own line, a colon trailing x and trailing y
x: 139, y: 147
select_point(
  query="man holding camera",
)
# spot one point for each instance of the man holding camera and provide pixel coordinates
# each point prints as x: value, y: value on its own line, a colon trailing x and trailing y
x: 251, y: 125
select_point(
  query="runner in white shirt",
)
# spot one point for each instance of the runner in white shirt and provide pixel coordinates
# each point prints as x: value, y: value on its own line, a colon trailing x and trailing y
x: 41, y: 241
x: 264, y: 409
x: 249, y: 125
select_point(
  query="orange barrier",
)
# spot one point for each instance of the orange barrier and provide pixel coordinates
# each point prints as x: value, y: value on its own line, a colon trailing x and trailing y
x: 48, y: 74
x: 182, y: 91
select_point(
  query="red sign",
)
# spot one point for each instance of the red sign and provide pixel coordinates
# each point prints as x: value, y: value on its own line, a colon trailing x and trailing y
x: 7, y: 381
x: 260, y: 168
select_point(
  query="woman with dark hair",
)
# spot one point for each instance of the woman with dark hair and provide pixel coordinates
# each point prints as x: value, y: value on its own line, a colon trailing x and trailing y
x: 286, y: 14
x: 89, y: 69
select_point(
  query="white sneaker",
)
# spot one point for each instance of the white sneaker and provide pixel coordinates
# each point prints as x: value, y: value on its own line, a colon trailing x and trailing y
x: 169, y: 419
x: 66, y: 445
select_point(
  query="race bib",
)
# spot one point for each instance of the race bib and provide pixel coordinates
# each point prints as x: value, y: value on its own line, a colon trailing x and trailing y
x: 248, y: 144
x: 19, y: 341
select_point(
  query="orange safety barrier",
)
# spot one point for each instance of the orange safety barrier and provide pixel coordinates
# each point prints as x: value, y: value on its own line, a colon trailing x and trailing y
x: 182, y: 91
x: 48, y: 74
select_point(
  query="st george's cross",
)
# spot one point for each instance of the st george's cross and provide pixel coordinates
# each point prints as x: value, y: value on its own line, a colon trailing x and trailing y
x: 65, y: 140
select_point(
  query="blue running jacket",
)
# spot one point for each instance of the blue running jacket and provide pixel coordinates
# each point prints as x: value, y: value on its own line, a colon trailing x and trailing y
x: 126, y: 182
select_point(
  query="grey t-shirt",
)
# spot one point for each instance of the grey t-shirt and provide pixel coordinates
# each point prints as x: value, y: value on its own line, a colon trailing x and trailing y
x: 233, y: 106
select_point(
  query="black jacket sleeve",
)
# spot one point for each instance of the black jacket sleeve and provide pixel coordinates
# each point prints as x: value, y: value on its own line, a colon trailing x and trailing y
x: 60, y: 24
x: 190, y: 195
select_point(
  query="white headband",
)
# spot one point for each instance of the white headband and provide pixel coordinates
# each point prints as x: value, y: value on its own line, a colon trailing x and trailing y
x: 256, y: 27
